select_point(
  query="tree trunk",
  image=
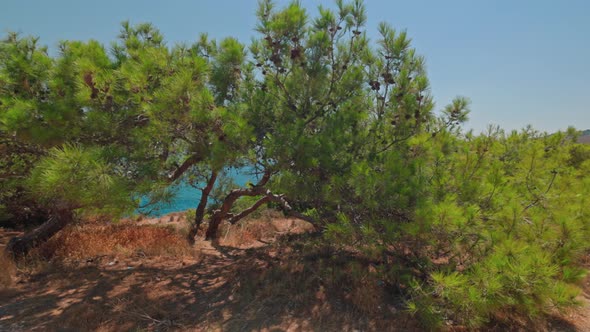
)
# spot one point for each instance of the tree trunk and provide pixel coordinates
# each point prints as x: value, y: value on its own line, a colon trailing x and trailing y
x: 200, y: 212
x: 257, y: 190
x: 230, y: 199
x: 226, y: 206
x: 20, y: 245
x: 235, y: 218
x: 213, y: 227
x: 288, y: 210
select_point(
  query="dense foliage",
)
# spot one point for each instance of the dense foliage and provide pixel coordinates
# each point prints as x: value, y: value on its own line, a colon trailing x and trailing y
x: 144, y: 109
x: 479, y: 226
x: 336, y: 129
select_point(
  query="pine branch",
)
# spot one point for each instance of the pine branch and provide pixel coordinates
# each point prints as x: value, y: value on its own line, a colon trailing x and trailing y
x: 235, y: 218
x: 190, y: 161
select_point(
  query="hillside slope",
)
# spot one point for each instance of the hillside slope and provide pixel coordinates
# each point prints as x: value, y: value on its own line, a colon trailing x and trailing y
x: 585, y: 137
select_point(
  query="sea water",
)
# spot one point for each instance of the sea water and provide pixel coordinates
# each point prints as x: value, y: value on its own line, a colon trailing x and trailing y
x: 187, y: 197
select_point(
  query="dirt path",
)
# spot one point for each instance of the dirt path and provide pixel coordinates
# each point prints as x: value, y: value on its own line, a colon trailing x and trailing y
x: 104, y: 294
x: 214, y: 289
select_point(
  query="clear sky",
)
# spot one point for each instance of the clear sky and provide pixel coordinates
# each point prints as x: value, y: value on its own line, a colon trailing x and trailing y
x: 520, y: 62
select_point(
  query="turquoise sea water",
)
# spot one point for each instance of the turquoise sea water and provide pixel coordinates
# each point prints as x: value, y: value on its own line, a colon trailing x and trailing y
x: 187, y: 197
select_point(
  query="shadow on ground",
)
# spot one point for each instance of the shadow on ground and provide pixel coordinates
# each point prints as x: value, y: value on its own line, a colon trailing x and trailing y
x: 219, y: 288
x: 229, y: 290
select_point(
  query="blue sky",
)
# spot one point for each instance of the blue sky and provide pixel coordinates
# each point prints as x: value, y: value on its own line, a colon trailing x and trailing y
x: 520, y: 62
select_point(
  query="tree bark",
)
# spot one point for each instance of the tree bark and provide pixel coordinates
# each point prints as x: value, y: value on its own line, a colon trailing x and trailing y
x: 234, y: 219
x: 257, y: 190
x: 288, y: 210
x: 226, y: 206
x: 213, y: 227
x: 228, y: 202
x: 230, y: 199
x: 20, y: 245
x: 190, y: 161
x: 200, y: 212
